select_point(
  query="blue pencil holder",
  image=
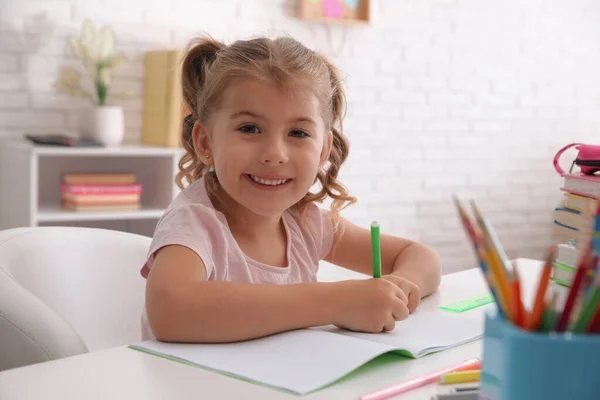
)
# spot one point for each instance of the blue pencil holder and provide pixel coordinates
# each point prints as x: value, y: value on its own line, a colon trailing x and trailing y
x: 522, y: 365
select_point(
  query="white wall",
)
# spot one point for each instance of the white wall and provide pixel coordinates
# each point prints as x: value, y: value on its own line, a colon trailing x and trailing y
x: 464, y: 96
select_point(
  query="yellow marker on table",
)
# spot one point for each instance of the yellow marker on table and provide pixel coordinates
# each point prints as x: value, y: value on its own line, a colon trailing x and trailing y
x: 461, y: 377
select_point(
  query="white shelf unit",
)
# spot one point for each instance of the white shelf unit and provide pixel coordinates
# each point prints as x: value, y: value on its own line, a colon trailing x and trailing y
x: 30, y: 184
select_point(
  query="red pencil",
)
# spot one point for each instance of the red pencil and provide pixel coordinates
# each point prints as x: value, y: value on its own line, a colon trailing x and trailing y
x: 586, y: 262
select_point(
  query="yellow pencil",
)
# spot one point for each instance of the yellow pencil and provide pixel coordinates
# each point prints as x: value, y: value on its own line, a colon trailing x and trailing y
x: 482, y: 257
x: 497, y: 260
x: 460, y: 377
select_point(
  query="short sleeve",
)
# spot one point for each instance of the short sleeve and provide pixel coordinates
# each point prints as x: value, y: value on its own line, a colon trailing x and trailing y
x: 192, y: 226
x: 323, y: 228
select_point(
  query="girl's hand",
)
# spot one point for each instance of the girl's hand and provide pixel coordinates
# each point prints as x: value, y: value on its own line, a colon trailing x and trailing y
x: 410, y: 289
x: 372, y: 305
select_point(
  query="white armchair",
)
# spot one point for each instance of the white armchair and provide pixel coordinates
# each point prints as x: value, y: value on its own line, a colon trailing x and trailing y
x: 68, y: 290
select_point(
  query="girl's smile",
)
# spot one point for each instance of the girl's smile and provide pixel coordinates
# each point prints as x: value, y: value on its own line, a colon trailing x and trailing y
x: 269, y: 182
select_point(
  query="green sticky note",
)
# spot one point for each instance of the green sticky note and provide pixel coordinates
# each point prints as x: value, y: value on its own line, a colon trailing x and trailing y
x: 466, y: 305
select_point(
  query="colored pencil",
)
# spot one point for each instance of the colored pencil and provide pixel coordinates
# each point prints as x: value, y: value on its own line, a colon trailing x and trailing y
x: 495, y: 256
x: 595, y: 324
x: 376, y: 249
x: 480, y: 254
x: 582, y: 269
x: 549, y: 314
x: 535, y: 316
x: 402, y: 387
x: 588, y: 309
x: 488, y: 229
x: 519, y: 316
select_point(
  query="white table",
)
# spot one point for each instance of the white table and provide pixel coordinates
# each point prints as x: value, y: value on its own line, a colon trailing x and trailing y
x: 122, y: 373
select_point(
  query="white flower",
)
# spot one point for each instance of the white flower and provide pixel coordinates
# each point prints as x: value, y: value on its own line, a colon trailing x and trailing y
x: 89, y: 40
x: 96, y: 50
x: 106, y: 43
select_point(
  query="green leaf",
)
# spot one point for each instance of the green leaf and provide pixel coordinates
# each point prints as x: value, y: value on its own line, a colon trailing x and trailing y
x: 104, y: 75
x: 101, y: 87
x: 103, y: 64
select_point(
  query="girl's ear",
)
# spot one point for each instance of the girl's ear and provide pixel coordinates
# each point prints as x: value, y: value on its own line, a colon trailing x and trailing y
x: 202, y: 143
x: 326, y: 150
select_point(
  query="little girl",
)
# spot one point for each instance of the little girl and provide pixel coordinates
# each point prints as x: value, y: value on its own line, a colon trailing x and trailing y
x: 235, y: 256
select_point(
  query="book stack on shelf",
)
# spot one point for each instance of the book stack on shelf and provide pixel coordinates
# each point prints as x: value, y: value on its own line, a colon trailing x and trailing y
x: 573, y: 222
x: 100, y: 192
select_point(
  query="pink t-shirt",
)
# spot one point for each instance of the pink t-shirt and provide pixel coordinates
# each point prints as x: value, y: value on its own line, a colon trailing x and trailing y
x: 192, y: 221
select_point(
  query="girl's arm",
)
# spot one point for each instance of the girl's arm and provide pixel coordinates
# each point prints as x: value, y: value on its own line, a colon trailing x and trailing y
x: 407, y: 259
x: 182, y: 306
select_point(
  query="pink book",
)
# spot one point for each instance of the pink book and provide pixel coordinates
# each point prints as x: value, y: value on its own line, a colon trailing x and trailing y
x: 582, y: 185
x: 134, y: 188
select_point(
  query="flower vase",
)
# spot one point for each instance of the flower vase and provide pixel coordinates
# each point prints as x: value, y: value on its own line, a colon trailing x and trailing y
x: 105, y: 124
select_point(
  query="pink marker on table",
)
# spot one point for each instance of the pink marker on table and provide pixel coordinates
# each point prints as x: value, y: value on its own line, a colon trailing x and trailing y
x: 393, y: 390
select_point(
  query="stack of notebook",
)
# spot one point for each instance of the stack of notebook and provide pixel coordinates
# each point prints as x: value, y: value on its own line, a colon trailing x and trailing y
x: 100, y: 192
x: 573, y: 222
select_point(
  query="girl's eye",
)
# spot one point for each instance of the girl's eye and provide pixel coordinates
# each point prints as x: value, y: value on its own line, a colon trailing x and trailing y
x: 298, y: 133
x: 249, y: 129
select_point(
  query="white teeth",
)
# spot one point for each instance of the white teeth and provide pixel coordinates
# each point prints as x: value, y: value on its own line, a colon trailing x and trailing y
x: 269, y: 182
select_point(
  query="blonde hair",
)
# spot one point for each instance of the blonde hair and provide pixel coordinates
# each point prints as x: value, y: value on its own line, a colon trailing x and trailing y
x: 209, y: 66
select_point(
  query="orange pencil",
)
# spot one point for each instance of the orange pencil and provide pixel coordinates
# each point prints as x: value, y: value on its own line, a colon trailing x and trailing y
x: 535, y: 317
x: 518, y: 309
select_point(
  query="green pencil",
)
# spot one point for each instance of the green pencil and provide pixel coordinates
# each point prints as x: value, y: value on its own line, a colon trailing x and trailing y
x: 549, y: 314
x: 548, y: 320
x: 587, y: 311
x: 376, y: 249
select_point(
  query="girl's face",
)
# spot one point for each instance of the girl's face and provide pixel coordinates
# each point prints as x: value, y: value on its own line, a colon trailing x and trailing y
x: 266, y: 145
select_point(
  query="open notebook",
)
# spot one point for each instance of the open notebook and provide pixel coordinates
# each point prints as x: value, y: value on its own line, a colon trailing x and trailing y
x: 305, y: 360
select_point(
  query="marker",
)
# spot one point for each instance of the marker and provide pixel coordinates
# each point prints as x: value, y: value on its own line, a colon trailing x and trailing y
x: 376, y: 249
x: 461, y: 377
x: 470, y: 395
x: 389, y: 391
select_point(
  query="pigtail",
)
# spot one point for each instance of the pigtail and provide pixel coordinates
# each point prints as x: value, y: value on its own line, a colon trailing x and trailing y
x: 196, y: 65
x: 327, y: 176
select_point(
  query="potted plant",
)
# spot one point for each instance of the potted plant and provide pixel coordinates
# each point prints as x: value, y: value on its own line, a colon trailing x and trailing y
x: 95, y: 48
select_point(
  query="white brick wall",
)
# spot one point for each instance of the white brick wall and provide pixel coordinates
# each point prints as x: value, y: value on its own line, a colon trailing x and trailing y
x: 445, y: 96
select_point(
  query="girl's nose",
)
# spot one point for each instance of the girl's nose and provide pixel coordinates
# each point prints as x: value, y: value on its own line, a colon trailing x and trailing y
x: 275, y: 152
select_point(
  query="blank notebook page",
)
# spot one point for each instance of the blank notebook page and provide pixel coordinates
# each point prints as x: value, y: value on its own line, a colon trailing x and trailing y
x: 423, y: 333
x: 305, y: 360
